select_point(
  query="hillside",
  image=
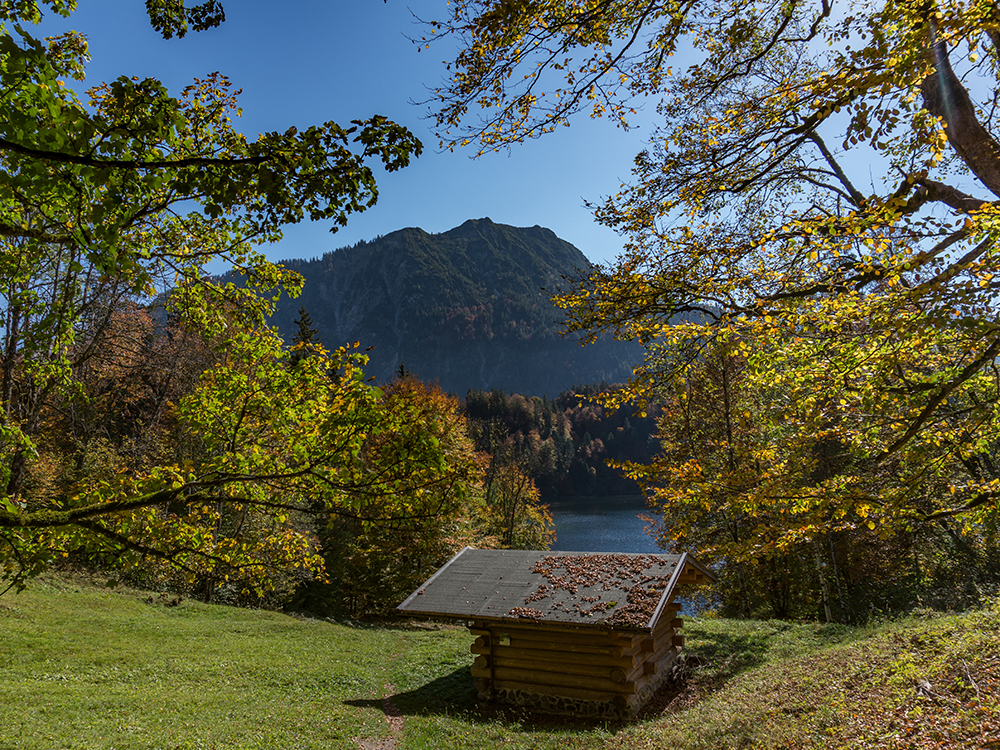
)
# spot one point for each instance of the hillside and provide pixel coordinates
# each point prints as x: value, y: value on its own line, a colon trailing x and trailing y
x: 85, y: 667
x: 465, y: 308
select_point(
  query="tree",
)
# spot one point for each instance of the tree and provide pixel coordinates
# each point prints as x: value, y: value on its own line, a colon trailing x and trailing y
x: 820, y: 199
x: 509, y: 511
x: 105, y: 203
x: 304, y: 337
x: 381, y: 544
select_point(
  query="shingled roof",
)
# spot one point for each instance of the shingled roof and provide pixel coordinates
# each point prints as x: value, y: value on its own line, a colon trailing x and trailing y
x: 579, y: 588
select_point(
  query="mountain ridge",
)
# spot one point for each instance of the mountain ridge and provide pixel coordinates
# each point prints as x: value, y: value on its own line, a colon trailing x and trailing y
x: 464, y: 307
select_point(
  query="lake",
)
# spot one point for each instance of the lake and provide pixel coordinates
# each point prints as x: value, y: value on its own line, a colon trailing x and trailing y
x: 601, y: 524
x: 610, y: 524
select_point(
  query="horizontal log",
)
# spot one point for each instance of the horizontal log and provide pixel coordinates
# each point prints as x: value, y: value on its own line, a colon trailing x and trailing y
x: 645, y: 680
x: 678, y: 641
x: 484, y: 661
x: 561, y: 646
x: 663, y: 657
x: 636, y: 672
x: 556, y: 659
x: 548, y: 638
x: 501, y: 675
x: 667, y: 623
x: 558, y: 667
x: 622, y: 634
x: 648, y: 661
x: 596, y: 637
x: 653, y: 670
x: 651, y: 645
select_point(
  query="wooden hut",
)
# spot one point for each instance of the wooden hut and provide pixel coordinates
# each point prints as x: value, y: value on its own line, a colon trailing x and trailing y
x: 591, y: 634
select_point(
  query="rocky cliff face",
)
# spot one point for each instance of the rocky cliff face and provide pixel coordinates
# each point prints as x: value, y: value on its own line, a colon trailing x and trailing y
x: 465, y: 308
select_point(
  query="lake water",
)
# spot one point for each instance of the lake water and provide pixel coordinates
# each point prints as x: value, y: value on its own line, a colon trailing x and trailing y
x: 601, y: 524
x: 609, y: 524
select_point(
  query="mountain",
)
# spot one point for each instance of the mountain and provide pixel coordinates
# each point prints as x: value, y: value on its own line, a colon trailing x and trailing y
x: 465, y: 308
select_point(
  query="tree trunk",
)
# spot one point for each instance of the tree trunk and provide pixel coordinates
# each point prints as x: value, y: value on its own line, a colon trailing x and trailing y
x: 822, y: 580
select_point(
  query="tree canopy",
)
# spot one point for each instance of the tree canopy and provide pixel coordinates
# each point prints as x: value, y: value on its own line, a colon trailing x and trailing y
x: 116, y: 200
x: 818, y: 206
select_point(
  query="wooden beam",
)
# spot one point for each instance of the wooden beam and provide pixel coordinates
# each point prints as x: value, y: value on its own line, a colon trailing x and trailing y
x: 608, y: 671
x: 653, y: 644
x: 595, y: 637
x: 654, y: 676
x: 667, y: 647
x: 650, y: 660
x: 529, y: 676
x: 554, y: 646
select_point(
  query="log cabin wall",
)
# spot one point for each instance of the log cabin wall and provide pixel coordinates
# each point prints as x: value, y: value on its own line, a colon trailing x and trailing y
x: 592, y: 672
x: 587, y: 634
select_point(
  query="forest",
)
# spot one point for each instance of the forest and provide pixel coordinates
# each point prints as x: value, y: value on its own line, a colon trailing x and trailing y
x: 809, y: 263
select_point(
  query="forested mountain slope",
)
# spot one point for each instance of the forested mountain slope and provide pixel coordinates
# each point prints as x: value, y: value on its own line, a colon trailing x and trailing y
x: 465, y: 308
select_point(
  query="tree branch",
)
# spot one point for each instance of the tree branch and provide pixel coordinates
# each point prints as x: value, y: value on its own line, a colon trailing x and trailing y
x: 88, y: 161
x: 946, y: 390
x: 946, y: 98
x: 856, y: 197
x: 938, y: 191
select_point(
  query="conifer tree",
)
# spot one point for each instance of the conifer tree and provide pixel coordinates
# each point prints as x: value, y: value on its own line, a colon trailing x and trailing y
x: 304, y: 339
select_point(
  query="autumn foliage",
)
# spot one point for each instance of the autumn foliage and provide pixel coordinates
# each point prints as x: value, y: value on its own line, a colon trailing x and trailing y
x: 816, y: 216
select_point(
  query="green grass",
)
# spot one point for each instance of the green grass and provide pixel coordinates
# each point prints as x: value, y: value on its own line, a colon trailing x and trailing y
x: 85, y: 667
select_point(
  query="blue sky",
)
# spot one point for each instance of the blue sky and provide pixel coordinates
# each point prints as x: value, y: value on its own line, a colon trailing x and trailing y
x: 308, y: 61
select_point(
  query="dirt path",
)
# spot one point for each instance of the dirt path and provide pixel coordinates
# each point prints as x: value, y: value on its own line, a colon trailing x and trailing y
x: 396, y: 721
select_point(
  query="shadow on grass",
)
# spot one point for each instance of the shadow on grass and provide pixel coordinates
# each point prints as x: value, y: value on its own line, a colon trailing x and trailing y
x: 717, y: 655
x: 454, y: 694
x: 717, y: 652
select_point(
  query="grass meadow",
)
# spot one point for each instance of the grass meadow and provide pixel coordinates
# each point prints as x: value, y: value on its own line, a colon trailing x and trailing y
x: 83, y: 666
